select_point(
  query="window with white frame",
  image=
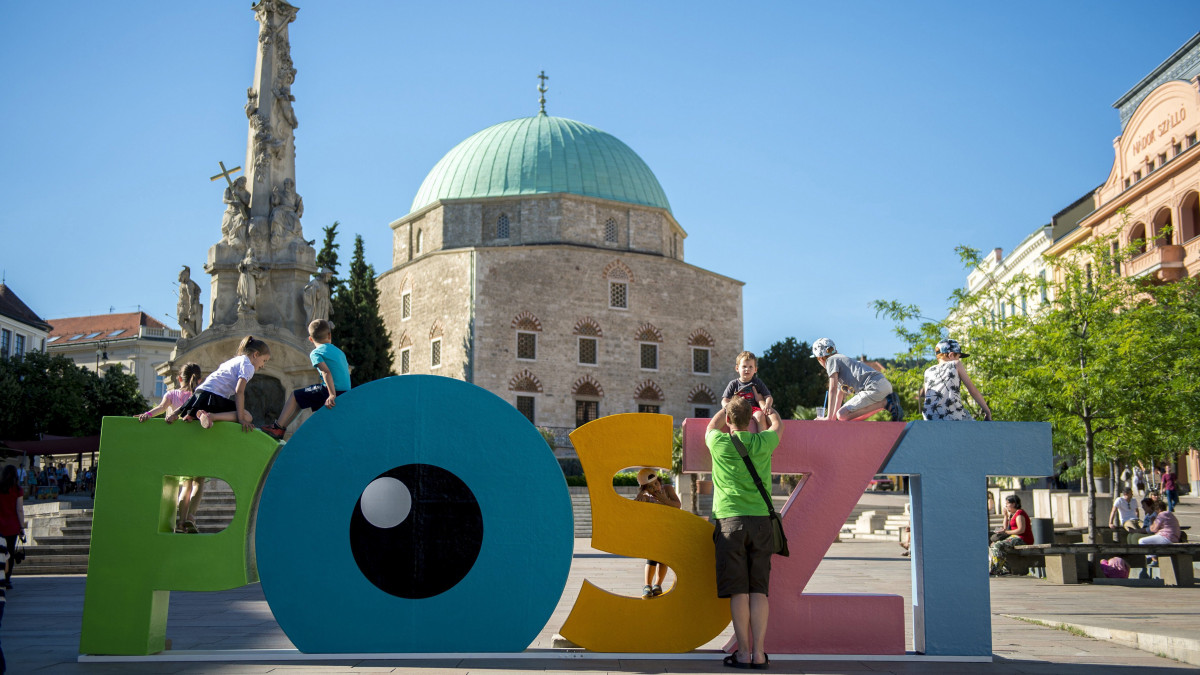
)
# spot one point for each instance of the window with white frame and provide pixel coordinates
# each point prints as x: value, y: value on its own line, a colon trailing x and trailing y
x: 649, y: 356
x: 648, y: 408
x: 406, y: 360
x: 406, y: 305
x: 700, y: 360
x: 525, y: 407
x: 5, y: 342
x: 502, y: 226
x: 526, y: 346
x: 618, y: 295
x: 435, y: 353
x: 586, y: 411
x: 18, y: 345
x: 588, y: 351
x: 160, y: 386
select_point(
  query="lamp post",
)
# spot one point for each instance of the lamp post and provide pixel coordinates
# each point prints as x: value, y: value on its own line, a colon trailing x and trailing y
x: 101, y: 351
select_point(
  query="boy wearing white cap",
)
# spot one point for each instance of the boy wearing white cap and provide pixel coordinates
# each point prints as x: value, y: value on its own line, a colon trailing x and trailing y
x: 871, y: 391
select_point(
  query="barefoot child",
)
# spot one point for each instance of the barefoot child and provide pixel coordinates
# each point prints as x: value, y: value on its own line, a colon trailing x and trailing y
x: 191, y: 489
x: 222, y: 395
x: 335, y: 379
x: 871, y: 391
x: 749, y: 387
x: 940, y: 396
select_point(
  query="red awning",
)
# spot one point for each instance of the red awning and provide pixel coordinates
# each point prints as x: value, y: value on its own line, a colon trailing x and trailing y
x: 55, y: 445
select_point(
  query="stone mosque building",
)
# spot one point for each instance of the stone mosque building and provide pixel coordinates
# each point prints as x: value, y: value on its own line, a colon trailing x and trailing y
x: 540, y: 260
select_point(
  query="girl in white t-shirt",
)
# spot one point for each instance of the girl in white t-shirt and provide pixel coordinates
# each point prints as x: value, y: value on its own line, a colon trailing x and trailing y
x: 221, y: 397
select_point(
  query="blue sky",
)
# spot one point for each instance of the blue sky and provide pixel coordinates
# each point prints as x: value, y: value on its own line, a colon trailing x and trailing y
x: 825, y: 154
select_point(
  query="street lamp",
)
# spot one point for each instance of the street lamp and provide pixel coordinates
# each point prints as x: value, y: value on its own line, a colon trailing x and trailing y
x: 101, y: 351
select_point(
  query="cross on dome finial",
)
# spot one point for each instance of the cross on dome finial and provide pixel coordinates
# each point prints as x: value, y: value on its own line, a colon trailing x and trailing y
x: 542, y: 90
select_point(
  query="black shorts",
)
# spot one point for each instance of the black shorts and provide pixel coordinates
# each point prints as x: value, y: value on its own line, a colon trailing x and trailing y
x: 208, y: 402
x: 313, y: 397
x: 744, y: 546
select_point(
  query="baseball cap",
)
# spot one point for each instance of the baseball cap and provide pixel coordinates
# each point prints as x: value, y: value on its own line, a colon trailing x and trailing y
x: 950, y: 346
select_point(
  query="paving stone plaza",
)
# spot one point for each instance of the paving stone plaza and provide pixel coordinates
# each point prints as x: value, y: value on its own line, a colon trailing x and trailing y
x: 43, y: 615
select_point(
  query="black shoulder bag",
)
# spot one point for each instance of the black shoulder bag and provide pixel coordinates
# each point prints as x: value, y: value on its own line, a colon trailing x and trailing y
x: 781, y: 546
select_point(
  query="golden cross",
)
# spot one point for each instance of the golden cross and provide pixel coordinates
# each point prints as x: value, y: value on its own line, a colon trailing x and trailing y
x: 226, y: 173
x: 542, y: 90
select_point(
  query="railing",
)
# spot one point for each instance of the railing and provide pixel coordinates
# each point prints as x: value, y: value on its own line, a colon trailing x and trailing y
x: 150, y: 331
x: 1164, y: 262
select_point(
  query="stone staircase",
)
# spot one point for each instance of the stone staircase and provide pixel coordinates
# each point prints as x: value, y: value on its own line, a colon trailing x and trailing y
x: 59, y: 539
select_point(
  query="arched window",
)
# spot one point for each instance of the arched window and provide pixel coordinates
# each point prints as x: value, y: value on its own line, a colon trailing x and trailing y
x: 502, y: 226
x: 610, y: 231
x: 587, y: 393
x: 1162, y: 227
x: 1189, y: 217
x: 1137, y: 238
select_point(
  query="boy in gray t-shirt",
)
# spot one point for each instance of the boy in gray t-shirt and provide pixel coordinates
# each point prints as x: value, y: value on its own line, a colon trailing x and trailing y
x: 871, y: 391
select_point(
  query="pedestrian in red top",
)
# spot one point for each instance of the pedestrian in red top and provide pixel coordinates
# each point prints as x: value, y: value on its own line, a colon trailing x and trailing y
x: 12, y: 516
x: 1007, y: 538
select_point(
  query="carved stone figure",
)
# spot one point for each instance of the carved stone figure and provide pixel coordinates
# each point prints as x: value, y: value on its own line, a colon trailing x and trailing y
x: 237, y: 212
x: 188, y: 309
x: 251, y: 102
x: 316, y: 296
x: 266, y: 146
x: 283, y: 94
x: 250, y: 273
x: 286, y: 210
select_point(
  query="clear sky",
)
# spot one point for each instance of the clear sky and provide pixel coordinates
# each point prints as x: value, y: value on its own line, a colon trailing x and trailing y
x: 825, y: 154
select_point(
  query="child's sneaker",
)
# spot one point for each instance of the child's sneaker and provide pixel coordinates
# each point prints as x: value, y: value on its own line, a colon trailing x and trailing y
x: 274, y: 430
x: 657, y: 590
x: 892, y: 405
x: 647, y: 592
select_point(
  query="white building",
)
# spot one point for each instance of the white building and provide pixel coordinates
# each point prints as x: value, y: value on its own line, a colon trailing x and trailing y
x: 134, y: 340
x: 21, y: 330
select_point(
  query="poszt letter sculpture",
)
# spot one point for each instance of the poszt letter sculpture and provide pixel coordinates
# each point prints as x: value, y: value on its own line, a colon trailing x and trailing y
x: 434, y: 546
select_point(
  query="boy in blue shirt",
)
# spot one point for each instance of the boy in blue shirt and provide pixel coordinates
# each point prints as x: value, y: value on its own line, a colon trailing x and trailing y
x: 335, y: 379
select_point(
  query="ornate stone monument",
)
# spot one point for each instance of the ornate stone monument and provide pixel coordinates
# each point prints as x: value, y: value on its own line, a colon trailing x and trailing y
x: 262, y: 268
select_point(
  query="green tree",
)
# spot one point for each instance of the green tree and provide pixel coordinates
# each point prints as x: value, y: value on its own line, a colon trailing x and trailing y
x: 1109, y: 360
x: 359, y: 327
x: 328, y: 256
x: 793, y: 376
x: 46, y: 394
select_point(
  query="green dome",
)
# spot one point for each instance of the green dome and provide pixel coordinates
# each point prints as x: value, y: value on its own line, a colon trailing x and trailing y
x: 542, y: 155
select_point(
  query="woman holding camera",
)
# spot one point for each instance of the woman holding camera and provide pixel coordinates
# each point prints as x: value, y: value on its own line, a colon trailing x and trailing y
x: 1007, y: 538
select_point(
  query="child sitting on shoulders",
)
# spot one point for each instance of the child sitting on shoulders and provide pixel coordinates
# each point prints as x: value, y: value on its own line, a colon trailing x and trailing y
x: 748, y: 386
x: 222, y: 395
x: 940, y: 396
x: 331, y: 363
x: 870, y: 390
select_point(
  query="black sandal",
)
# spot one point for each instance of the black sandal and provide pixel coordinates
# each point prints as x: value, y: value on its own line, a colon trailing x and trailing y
x: 732, y: 662
x: 765, y: 665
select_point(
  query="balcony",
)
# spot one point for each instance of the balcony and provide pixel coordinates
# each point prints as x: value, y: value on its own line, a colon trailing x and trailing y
x: 1163, y: 264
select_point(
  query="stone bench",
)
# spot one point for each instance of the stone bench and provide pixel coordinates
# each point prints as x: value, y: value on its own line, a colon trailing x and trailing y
x: 1068, y: 564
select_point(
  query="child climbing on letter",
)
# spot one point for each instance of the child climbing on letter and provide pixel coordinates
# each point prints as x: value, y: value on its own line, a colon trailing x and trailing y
x: 335, y: 379
x: 940, y: 397
x: 222, y: 395
x: 871, y: 391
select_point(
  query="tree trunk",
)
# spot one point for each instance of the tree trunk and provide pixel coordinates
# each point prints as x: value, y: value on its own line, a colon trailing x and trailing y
x: 695, y: 499
x: 1089, y: 480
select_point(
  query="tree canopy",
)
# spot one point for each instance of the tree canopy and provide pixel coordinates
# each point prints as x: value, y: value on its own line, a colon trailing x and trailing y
x: 358, y: 328
x: 793, y: 376
x: 1108, y: 359
x: 46, y: 394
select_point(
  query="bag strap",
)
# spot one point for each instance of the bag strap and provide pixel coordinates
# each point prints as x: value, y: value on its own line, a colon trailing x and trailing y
x: 737, y: 443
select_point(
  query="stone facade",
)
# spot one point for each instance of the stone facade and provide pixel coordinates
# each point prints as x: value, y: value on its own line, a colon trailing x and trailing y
x: 510, y: 287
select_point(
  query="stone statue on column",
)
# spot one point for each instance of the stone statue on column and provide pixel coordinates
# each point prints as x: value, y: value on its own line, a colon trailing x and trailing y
x: 286, y: 210
x: 250, y: 272
x: 316, y: 296
x: 189, y: 309
x: 237, y: 213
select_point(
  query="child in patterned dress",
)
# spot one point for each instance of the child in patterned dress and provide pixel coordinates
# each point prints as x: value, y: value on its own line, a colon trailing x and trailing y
x: 940, y: 395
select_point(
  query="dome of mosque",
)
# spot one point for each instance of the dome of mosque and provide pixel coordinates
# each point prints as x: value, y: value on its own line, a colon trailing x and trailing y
x: 542, y: 155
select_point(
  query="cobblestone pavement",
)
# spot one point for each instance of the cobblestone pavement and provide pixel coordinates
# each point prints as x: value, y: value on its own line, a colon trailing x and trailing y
x: 42, y: 622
